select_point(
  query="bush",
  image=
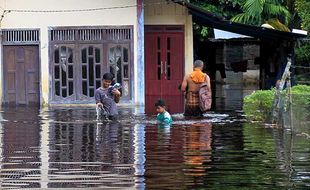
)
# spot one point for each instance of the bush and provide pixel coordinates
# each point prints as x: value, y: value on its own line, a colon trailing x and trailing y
x: 301, y: 95
x: 301, y: 89
x: 258, y: 105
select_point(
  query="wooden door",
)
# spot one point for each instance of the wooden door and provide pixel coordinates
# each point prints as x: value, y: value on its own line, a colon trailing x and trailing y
x: 21, y: 75
x: 164, y: 60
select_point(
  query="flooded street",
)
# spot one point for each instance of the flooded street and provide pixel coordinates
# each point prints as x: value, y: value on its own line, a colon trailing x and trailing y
x: 65, y: 147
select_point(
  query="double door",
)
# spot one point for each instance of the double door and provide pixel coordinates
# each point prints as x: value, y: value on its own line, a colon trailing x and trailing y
x: 21, y: 75
x: 77, y: 70
x: 164, y: 62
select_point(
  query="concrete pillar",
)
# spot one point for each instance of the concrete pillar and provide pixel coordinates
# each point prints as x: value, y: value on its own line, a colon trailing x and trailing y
x: 140, y: 81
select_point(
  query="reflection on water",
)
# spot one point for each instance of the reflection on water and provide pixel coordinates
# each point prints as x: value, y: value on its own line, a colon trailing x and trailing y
x: 67, y: 148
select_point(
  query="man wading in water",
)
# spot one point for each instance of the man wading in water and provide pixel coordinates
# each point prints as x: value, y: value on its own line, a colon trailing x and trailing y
x: 191, y: 85
x: 106, y: 99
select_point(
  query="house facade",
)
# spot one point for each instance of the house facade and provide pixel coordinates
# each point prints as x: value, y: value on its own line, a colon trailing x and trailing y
x: 56, y: 53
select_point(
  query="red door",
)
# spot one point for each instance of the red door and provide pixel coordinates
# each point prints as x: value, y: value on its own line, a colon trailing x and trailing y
x: 164, y: 60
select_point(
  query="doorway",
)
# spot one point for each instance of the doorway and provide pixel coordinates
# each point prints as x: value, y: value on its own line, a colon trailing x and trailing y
x: 79, y: 58
x: 164, y: 67
x: 21, y: 75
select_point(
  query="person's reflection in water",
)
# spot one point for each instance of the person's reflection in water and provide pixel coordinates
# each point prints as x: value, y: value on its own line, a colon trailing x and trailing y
x: 198, y: 146
x: 163, y: 133
x: 164, y: 159
x: 108, y: 139
x: 114, y: 142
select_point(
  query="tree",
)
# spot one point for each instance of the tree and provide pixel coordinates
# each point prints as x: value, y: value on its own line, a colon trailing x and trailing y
x: 303, y: 9
x: 258, y: 12
x: 295, y: 20
x: 223, y: 8
x: 303, y: 52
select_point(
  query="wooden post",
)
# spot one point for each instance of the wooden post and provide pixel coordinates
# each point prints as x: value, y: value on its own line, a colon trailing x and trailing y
x: 276, y: 101
x: 289, y: 94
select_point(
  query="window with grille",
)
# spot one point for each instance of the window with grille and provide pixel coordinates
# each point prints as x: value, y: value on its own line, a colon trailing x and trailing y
x: 20, y: 36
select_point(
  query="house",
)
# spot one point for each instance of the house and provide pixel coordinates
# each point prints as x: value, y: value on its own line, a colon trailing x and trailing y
x: 274, y: 45
x: 56, y: 53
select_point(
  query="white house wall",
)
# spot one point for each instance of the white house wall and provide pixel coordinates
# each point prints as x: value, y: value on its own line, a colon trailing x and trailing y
x: 159, y: 12
x: 43, y: 20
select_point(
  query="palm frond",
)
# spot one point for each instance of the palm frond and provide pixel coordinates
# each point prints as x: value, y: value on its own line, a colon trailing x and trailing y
x: 245, y: 19
x: 273, y: 1
x: 276, y: 10
x: 241, y: 18
x: 254, y: 7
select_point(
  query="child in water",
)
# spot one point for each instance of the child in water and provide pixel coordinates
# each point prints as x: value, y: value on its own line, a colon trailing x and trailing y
x: 163, y: 117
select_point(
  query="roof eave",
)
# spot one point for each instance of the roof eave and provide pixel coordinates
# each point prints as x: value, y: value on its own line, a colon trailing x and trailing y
x: 208, y: 19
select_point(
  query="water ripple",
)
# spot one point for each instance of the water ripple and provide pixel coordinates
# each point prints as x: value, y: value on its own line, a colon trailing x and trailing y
x: 67, y: 148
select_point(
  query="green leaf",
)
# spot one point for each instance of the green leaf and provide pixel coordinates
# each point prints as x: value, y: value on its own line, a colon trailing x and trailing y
x: 254, y: 7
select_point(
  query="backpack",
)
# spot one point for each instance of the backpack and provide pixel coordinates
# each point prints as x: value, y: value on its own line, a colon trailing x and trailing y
x: 205, y: 97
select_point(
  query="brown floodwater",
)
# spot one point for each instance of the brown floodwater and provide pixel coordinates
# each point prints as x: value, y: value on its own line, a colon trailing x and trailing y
x: 65, y: 147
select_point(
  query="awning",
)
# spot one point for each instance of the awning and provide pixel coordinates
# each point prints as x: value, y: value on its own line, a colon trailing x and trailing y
x: 205, y: 18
